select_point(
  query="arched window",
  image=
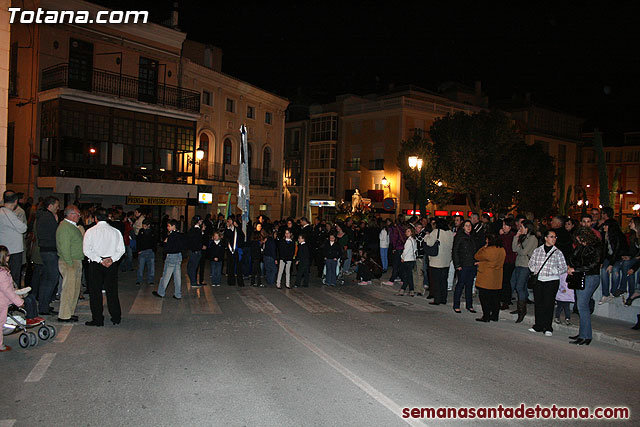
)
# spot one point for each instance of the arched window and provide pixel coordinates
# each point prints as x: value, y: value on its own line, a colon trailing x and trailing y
x: 226, y: 155
x: 204, y: 163
x: 266, y: 162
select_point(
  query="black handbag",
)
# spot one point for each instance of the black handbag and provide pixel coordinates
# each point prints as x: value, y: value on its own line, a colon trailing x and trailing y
x: 433, y: 249
x: 576, y: 280
x: 534, y: 277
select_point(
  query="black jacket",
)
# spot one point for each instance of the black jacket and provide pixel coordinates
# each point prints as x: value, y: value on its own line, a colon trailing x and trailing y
x: 286, y: 250
x: 228, y: 237
x: 464, y: 250
x: 563, y: 242
x: 175, y: 243
x: 618, y: 242
x: 479, y: 235
x: 332, y: 251
x: 194, y: 239
x: 270, y: 248
x: 46, y: 227
x: 146, y: 239
x: 303, y: 255
x: 256, y: 250
x: 586, y: 259
x: 216, y: 250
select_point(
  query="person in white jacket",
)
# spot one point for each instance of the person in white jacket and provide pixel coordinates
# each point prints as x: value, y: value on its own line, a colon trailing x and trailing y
x: 384, y: 248
x: 408, y: 259
x: 439, y: 265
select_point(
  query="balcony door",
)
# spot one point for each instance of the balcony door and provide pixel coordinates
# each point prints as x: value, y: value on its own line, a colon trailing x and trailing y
x: 148, y: 80
x: 80, y: 65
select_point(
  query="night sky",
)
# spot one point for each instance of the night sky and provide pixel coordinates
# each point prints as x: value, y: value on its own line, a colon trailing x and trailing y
x: 579, y: 57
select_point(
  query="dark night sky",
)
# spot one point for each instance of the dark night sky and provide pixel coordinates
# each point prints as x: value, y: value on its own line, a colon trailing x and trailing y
x: 580, y: 57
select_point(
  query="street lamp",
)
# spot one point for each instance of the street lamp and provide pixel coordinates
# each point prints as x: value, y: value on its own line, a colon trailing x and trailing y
x: 636, y: 208
x: 416, y: 163
x: 386, y: 183
x: 621, y: 193
x: 413, y: 162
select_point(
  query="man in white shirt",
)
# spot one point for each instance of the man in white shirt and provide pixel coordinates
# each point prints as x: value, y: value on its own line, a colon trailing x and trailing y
x: 104, y: 246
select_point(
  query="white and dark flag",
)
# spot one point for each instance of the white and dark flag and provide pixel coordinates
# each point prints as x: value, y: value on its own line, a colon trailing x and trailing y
x: 243, y: 179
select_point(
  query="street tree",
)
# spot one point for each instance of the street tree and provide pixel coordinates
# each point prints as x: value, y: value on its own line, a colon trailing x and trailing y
x: 484, y: 156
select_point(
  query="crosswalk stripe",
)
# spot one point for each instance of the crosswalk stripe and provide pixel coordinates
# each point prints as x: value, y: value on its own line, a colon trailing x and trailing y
x: 63, y: 333
x: 310, y: 304
x: 40, y: 369
x: 257, y: 303
x: 202, y: 301
x: 404, y: 304
x: 7, y: 423
x: 146, y: 303
x: 354, y: 302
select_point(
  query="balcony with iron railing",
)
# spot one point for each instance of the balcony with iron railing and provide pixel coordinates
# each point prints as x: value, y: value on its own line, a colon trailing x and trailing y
x: 229, y: 173
x: 353, y: 165
x: 114, y: 84
x: 118, y: 173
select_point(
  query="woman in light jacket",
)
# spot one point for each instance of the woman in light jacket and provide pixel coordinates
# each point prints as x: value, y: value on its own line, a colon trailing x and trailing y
x: 546, y: 287
x: 489, y: 279
x: 524, y: 243
x: 384, y: 247
x: 408, y: 262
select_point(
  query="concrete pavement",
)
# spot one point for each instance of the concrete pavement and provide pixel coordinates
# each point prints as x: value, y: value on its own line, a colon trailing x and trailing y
x: 318, y: 356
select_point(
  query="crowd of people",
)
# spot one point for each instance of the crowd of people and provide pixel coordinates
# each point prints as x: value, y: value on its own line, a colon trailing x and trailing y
x: 57, y: 251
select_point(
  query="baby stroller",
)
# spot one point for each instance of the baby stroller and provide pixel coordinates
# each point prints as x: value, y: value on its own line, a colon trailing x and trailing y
x: 16, y: 322
x: 339, y: 273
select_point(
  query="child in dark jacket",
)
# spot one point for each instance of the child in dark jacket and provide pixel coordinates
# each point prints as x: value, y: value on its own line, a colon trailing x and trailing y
x: 303, y: 262
x: 215, y: 253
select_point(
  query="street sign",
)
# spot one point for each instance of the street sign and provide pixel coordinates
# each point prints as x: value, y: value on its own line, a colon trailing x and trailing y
x: 389, y: 204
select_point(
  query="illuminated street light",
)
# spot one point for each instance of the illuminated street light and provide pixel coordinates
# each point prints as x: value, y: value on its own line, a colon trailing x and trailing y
x: 385, y: 181
x: 92, y: 150
x: 440, y: 184
x: 413, y: 162
x: 419, y: 165
x: 200, y: 153
x: 579, y: 203
x: 636, y: 207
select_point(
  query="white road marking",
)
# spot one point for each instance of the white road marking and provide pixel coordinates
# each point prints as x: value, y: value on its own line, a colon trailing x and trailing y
x: 40, y: 369
x: 310, y: 304
x: 384, y: 297
x: 62, y: 333
x: 202, y: 301
x: 354, y: 302
x: 146, y: 303
x: 7, y: 423
x: 257, y: 303
x: 355, y: 379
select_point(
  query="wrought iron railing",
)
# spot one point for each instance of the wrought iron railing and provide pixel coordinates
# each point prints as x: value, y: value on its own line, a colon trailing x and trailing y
x: 115, y: 84
x: 229, y: 173
x: 113, y: 173
x: 376, y: 164
x: 353, y: 165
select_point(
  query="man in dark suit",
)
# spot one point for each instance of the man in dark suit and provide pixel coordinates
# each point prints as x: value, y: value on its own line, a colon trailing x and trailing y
x: 303, y: 262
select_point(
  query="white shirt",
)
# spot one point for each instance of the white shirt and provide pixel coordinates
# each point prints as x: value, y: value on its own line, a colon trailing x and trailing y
x: 384, y: 238
x: 103, y: 241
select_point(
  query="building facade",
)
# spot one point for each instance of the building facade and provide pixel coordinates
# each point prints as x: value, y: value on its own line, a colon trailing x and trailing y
x: 5, y: 89
x: 226, y: 104
x: 295, y: 168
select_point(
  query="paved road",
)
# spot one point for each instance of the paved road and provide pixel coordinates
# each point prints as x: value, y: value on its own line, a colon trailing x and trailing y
x: 322, y: 357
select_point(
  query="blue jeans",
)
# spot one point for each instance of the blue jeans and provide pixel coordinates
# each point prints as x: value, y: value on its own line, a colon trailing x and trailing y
x: 604, y: 276
x: 172, y: 266
x: 582, y: 297
x: 384, y: 257
x: 216, y: 273
x: 127, y: 259
x: 330, y: 275
x: 146, y: 258
x: 347, y: 262
x: 49, y: 281
x: 270, y: 270
x: 192, y: 266
x: 519, y: 279
x: 626, y: 282
x: 465, y: 282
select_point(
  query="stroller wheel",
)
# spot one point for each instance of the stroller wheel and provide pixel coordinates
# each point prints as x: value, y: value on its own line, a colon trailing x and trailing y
x: 33, y: 339
x: 23, y: 340
x: 52, y: 331
x: 44, y: 333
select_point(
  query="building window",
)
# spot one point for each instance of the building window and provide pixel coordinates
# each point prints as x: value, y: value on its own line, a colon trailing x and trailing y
x: 226, y: 155
x: 322, y: 156
x: 251, y: 112
x: 296, y: 140
x: 268, y: 117
x: 231, y: 105
x: 206, y: 98
x: 324, y: 128
x: 266, y: 162
x: 322, y: 183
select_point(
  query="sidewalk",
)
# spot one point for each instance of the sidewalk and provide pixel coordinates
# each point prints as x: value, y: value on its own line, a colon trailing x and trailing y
x: 609, y: 331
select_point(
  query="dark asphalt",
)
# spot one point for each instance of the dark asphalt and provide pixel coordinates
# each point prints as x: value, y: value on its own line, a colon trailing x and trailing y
x: 332, y: 360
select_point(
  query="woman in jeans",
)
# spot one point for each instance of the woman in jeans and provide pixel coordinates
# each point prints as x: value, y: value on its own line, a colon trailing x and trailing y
x: 585, y: 259
x: 173, y: 247
x: 548, y: 263
x: 332, y: 253
x: 524, y: 243
x: 614, y: 248
x: 384, y: 247
x: 464, y: 249
x: 408, y: 262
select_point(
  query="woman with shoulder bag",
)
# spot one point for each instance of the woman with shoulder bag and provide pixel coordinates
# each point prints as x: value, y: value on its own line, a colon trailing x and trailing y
x: 524, y: 243
x: 585, y: 260
x: 547, y: 264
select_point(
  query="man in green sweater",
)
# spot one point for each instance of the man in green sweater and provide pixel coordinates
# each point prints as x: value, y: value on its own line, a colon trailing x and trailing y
x: 69, y: 245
